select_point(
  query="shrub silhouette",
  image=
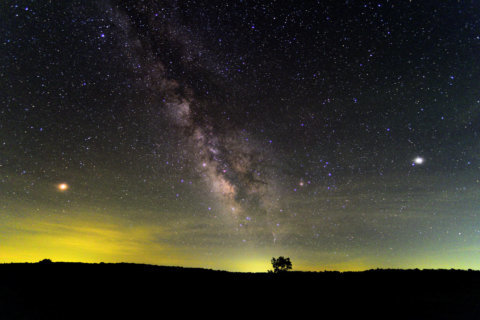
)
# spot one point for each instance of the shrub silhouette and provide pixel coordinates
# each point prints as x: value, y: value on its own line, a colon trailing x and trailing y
x: 45, y: 261
x: 281, y: 264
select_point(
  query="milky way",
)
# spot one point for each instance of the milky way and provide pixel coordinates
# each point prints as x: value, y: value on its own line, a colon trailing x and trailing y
x: 234, y: 166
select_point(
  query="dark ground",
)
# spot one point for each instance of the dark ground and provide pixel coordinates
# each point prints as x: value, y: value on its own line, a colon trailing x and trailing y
x: 108, y: 291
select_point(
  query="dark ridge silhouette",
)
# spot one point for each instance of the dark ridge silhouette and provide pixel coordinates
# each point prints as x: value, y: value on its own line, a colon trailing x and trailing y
x: 61, y: 290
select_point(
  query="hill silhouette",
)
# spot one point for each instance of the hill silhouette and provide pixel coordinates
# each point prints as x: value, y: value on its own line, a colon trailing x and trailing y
x: 59, y: 290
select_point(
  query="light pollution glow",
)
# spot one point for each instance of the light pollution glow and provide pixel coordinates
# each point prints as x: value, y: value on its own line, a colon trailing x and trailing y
x: 111, y: 240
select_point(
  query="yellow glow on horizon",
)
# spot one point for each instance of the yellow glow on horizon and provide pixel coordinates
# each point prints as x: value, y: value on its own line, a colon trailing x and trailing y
x: 92, y: 237
x: 71, y: 239
x: 248, y: 265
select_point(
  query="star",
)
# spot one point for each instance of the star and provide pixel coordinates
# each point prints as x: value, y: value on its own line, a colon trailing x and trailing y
x: 418, y: 160
x: 62, y: 186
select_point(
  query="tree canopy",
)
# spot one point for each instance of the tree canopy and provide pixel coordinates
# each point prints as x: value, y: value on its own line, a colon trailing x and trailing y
x: 281, y: 264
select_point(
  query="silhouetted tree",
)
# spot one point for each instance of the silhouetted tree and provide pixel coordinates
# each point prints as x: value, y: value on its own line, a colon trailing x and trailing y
x: 45, y: 261
x: 281, y: 264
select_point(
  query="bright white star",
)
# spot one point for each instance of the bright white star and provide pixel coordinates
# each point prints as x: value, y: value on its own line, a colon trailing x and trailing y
x: 418, y: 160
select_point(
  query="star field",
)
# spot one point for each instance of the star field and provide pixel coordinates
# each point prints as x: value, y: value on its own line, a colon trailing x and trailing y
x: 343, y: 135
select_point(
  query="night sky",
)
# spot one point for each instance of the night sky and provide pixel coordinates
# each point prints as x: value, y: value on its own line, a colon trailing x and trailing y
x: 342, y: 134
